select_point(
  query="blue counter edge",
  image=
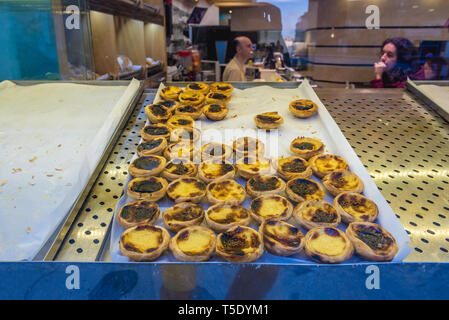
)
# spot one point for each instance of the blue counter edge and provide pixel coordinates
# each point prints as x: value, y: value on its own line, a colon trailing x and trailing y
x: 222, y: 281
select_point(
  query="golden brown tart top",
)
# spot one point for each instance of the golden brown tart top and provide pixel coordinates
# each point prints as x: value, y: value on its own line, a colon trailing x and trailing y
x: 304, y: 189
x: 157, y: 112
x: 171, y: 93
x: 153, y: 146
x: 353, y: 207
x: 222, y: 87
x: 199, y: 87
x: 191, y: 98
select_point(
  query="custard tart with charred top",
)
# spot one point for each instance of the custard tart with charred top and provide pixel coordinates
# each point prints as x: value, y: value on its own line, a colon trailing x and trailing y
x: 194, y: 111
x: 354, y: 207
x: 211, y: 170
x: 306, y: 147
x: 240, y: 244
x: 157, y: 113
x: 341, y: 181
x: 248, y: 167
x: 191, y: 98
x: 281, y: 238
x: 371, y: 241
x: 186, y: 189
x: 303, y: 108
x: 326, y: 163
x: 186, y: 134
x: 216, y: 151
x: 144, y: 242
x: 248, y: 147
x: 222, y: 87
x: 268, y: 120
x: 147, y: 166
x: 170, y: 93
x: 270, y: 206
x: 316, y: 213
x: 181, y: 150
x: 151, y: 147
x: 217, y: 98
x: 222, y: 216
x: 195, y: 243
x: 180, y: 121
x: 225, y: 190
x: 264, y: 184
x: 328, y: 245
x: 157, y: 130
x: 215, y: 111
x: 182, y: 215
x: 152, y: 188
x: 178, y: 168
x: 292, y: 167
x: 198, y: 87
x: 299, y: 190
x: 138, y: 212
x: 169, y: 104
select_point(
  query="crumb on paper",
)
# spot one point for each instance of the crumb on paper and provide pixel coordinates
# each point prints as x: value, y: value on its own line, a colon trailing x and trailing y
x: 68, y: 184
x: 20, y: 188
x: 31, y: 183
x: 33, y: 159
x: 49, y: 175
x: 3, y: 183
x: 14, y: 170
x: 28, y: 229
x: 313, y: 132
x: 233, y: 116
x: 59, y: 169
x: 32, y: 177
x: 19, y: 148
x: 59, y: 145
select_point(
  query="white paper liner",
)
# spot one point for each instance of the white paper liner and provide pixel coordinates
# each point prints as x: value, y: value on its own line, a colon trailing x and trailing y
x: 244, y: 105
x: 52, y: 136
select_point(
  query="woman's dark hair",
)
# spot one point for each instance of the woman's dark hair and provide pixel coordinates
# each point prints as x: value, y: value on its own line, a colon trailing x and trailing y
x: 407, y: 61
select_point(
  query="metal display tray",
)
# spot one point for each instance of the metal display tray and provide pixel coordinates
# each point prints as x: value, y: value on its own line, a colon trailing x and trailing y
x: 51, y: 248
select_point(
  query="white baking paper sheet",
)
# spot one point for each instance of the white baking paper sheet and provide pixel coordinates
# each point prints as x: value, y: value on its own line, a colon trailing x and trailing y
x: 52, y: 136
x: 437, y: 94
x: 244, y: 105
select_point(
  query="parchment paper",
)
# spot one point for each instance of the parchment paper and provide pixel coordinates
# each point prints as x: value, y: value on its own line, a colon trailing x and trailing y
x: 244, y: 105
x: 51, y: 136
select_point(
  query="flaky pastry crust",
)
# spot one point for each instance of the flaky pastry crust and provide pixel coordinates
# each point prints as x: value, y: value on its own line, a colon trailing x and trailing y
x: 316, y: 213
x: 240, y: 244
x: 152, y: 188
x: 281, y: 238
x: 341, y: 181
x: 131, y: 249
x: 333, y: 247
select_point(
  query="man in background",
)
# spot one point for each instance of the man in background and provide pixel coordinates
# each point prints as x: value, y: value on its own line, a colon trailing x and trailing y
x: 235, y: 69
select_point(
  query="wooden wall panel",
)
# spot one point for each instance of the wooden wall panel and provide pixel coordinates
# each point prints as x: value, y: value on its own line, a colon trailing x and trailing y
x: 130, y: 39
x: 155, y: 44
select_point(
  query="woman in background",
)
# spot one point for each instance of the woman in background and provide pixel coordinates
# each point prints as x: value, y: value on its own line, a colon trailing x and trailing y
x: 436, y: 68
x: 398, y: 61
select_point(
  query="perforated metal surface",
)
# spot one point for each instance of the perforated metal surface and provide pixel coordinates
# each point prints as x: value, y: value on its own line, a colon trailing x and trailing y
x: 405, y: 147
x: 403, y: 144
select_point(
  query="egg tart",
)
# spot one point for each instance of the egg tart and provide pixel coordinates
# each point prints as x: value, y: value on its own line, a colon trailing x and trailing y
x: 215, y: 111
x: 326, y: 163
x: 216, y: 151
x: 189, y: 110
x: 179, y: 168
x: 240, y: 244
x: 270, y: 206
x: 147, y: 166
x: 157, y: 130
x: 170, y: 93
x: 225, y: 190
x: 154, y: 146
x: 185, y: 135
x: 299, y: 190
x: 144, y: 242
x: 181, y: 150
x: 306, y: 148
x: 371, y: 241
x: 264, y: 184
x: 191, y: 98
x: 152, y: 188
x: 198, y: 87
x: 268, y: 120
x: 222, y: 87
x: 138, y: 212
x: 248, y: 147
x: 303, y: 108
x: 342, y: 181
x: 211, y: 170
x: 186, y: 189
x: 328, y: 245
x: 354, y: 207
x: 170, y: 104
x: 217, y: 98
x: 316, y: 213
x: 281, y: 238
x: 195, y: 243
x: 157, y: 113
x: 292, y: 167
x: 182, y: 215
x: 180, y: 121
x: 248, y: 167
x: 222, y: 216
